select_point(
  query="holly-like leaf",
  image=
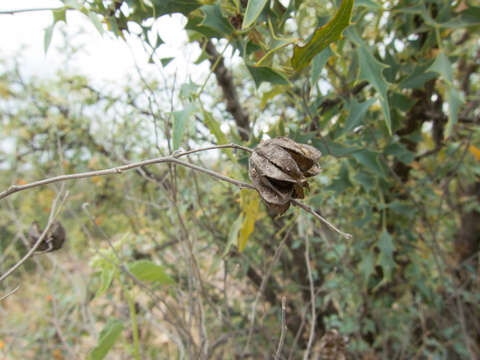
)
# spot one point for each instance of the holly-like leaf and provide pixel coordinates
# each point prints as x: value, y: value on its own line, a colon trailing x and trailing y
x: 164, y: 7
x: 267, y: 74
x: 443, y: 66
x: 250, y: 211
x: 145, y: 270
x: 356, y: 113
x: 319, y: 62
x: 108, y: 336
x: 385, y: 257
x: 215, y: 20
x: 371, y: 70
x: 323, y: 36
x: 367, y: 265
x: 180, y: 123
x: 454, y: 100
x: 369, y: 160
x: 253, y: 11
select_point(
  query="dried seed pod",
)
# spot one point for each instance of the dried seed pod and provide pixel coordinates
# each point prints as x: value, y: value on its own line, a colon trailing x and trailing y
x: 278, y: 168
x: 332, y: 346
x: 53, y: 240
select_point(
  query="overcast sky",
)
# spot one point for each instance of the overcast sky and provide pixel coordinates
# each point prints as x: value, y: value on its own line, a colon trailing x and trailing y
x: 104, y: 59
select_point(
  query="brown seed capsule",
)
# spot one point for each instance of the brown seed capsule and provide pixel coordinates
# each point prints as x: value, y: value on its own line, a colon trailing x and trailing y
x: 52, y: 241
x: 332, y: 346
x: 279, y: 169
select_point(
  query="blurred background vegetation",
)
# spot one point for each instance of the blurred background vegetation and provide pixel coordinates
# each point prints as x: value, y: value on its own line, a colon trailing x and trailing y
x: 393, y: 106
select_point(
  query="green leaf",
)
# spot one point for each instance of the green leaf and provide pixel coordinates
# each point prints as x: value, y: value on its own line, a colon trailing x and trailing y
x: 323, y: 36
x: 319, y: 62
x: 106, y: 277
x: 253, y: 11
x: 75, y: 4
x: 264, y: 73
x: 215, y: 20
x: 356, y: 113
x: 366, y: 266
x: 336, y: 149
x: 417, y: 77
x: 180, y: 122
x: 369, y: 160
x: 59, y: 15
x: 341, y: 181
x: 96, y: 22
x: 214, y: 127
x: 233, y: 236
x: 371, y: 70
x: 166, y: 61
x: 250, y: 211
x: 108, y: 336
x: 443, y: 66
x: 47, y: 39
x: 146, y: 270
x: 371, y: 4
x: 385, y: 257
x: 454, y: 102
x: 400, y: 152
x: 366, y: 180
x: 164, y: 7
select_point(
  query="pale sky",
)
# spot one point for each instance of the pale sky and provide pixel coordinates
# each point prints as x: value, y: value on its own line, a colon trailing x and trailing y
x: 105, y: 58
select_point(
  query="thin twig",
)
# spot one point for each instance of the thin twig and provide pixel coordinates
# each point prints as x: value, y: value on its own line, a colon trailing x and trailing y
x: 312, y: 300
x: 18, y: 11
x: 321, y: 218
x: 284, y: 330
x: 276, y: 256
x: 51, y: 218
x: 119, y: 169
x: 10, y: 293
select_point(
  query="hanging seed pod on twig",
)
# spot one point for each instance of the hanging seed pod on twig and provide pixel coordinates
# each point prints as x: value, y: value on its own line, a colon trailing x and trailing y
x: 279, y: 169
x: 52, y: 241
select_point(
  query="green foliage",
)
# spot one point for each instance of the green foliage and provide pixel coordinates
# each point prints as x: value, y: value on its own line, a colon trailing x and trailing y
x: 393, y: 107
x: 145, y: 270
x: 323, y: 36
x: 107, y: 338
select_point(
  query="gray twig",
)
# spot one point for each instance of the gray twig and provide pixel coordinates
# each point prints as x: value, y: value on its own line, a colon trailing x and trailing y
x: 312, y: 300
x: 284, y: 330
x: 10, y: 293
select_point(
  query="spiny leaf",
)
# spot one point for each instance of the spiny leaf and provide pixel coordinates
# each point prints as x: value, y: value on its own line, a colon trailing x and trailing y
x: 371, y: 70
x: 443, y: 66
x: 253, y: 11
x: 356, y: 113
x: 264, y: 73
x: 319, y: 62
x: 108, y: 337
x: 323, y: 36
x: 215, y: 20
x: 385, y: 258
